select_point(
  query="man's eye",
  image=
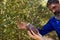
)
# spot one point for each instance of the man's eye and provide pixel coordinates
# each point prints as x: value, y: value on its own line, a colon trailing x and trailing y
x: 54, y: 7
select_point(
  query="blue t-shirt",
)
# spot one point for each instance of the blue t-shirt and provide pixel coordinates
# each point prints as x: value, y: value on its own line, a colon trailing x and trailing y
x: 52, y: 24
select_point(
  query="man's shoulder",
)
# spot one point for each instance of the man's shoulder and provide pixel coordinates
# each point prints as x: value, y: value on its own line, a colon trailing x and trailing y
x: 52, y: 18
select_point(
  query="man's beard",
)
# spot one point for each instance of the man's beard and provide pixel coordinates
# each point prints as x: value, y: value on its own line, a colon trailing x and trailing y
x: 57, y: 13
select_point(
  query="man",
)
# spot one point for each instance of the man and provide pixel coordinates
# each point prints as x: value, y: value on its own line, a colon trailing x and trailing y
x: 52, y: 24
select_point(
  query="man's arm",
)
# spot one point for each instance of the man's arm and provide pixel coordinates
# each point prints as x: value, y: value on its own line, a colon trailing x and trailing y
x: 46, y: 28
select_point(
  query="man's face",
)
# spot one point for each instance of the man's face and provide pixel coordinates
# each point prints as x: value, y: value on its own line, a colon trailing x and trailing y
x: 55, y: 8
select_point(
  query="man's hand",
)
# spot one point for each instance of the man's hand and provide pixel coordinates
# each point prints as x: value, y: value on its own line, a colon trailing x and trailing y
x: 35, y: 36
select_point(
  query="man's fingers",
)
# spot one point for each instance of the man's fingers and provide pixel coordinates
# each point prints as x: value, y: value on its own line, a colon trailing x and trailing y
x: 33, y: 33
x: 39, y: 35
x: 29, y: 33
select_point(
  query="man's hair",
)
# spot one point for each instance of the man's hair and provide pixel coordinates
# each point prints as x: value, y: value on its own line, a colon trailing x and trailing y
x: 52, y: 1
